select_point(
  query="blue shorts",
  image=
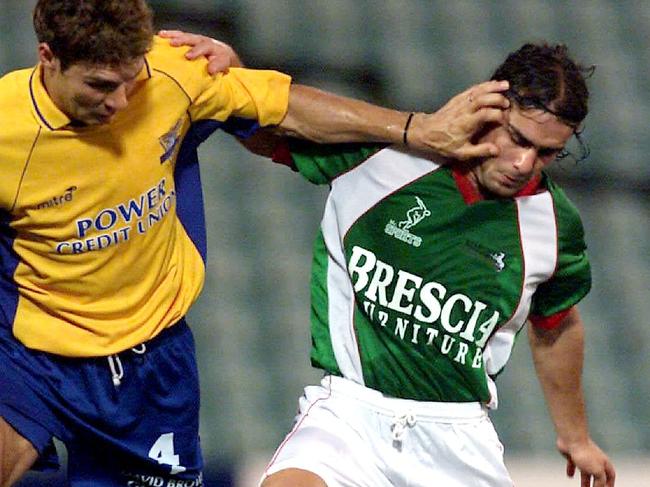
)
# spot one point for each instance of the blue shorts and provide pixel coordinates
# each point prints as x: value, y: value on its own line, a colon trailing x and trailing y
x: 128, y: 420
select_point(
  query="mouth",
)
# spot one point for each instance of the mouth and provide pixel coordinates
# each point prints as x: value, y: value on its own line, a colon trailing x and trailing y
x: 511, y: 182
x: 104, y: 118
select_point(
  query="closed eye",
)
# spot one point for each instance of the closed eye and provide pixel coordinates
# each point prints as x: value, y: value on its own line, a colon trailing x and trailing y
x: 542, y: 152
x: 105, y: 87
x: 518, y: 139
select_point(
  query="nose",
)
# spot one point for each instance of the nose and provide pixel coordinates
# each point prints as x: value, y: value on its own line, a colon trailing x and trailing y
x: 525, y: 160
x: 118, y: 99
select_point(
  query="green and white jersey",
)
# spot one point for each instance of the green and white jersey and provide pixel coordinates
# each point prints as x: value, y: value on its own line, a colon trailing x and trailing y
x: 417, y: 293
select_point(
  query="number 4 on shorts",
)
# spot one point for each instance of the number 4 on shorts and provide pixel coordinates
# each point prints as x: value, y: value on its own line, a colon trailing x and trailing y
x: 163, y: 452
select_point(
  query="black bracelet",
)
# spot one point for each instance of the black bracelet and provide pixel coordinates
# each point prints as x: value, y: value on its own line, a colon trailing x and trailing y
x: 406, y: 128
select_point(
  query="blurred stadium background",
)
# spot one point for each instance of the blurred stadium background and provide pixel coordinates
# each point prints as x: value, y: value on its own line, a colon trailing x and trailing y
x: 251, y: 323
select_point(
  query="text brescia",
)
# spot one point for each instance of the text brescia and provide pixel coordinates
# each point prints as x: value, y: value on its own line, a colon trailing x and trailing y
x: 429, y: 322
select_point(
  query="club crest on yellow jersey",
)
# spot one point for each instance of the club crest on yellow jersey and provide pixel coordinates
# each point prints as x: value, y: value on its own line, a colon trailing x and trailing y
x: 169, y: 141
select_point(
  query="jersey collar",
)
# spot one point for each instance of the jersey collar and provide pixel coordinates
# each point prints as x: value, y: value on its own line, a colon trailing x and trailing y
x: 46, y: 112
x: 471, y: 195
x: 44, y: 109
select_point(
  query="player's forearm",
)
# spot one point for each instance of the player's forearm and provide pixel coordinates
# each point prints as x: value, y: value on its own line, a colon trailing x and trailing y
x: 448, y: 132
x: 324, y: 117
x: 558, y: 356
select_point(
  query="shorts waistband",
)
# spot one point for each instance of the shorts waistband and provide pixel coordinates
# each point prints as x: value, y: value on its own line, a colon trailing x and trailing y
x: 167, y: 335
x: 435, y: 411
x: 178, y: 328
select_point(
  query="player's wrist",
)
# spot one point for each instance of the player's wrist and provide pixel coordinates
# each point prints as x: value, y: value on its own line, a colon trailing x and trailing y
x: 407, y: 126
x: 572, y: 442
x: 427, y: 132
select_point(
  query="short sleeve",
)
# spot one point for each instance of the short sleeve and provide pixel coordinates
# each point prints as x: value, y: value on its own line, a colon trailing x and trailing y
x: 572, y: 278
x: 321, y: 163
x: 261, y: 95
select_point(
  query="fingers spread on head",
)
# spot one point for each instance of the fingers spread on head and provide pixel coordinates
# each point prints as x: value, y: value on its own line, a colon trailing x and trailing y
x: 484, y: 116
x: 492, y: 86
x: 494, y: 100
x: 501, y: 85
x: 479, y: 150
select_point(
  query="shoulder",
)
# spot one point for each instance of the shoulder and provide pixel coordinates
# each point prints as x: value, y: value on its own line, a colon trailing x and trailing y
x: 15, y: 85
x: 571, y: 280
x: 570, y: 228
x: 165, y: 56
x: 18, y: 129
x: 568, y: 216
x: 17, y: 75
x: 15, y: 99
x: 322, y: 163
x: 170, y: 62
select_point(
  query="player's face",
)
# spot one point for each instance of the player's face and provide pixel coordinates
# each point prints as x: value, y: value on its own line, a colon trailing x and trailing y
x: 528, y: 141
x: 92, y: 94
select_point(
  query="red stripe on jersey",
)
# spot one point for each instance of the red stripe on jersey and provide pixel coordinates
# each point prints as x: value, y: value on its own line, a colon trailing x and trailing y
x: 471, y: 194
x: 549, y: 322
x: 282, y: 155
x: 467, y: 189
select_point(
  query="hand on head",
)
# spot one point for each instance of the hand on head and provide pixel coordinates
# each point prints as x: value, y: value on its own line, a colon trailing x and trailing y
x: 452, y: 129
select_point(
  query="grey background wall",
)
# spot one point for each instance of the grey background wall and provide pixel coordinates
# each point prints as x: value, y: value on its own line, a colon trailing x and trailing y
x: 251, y: 322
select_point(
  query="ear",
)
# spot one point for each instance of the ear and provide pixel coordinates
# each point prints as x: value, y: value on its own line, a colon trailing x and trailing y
x: 46, y: 56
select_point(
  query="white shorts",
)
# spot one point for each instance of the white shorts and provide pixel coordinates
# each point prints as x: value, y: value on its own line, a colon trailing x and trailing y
x: 352, y: 436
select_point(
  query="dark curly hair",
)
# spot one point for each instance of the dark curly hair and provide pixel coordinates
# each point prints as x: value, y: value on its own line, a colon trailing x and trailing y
x: 105, y: 32
x: 544, y: 76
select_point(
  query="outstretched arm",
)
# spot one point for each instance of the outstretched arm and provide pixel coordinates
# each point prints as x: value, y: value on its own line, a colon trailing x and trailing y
x: 558, y: 356
x: 324, y: 117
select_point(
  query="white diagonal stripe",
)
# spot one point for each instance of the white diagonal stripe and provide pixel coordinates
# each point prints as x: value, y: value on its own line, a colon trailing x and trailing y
x: 538, y: 231
x: 352, y: 195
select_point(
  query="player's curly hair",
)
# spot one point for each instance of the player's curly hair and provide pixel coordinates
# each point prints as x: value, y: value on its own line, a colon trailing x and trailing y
x: 104, y: 32
x: 544, y: 76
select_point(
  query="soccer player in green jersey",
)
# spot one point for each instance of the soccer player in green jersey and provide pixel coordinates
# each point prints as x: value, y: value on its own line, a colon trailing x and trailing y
x: 102, y: 237
x: 425, y: 270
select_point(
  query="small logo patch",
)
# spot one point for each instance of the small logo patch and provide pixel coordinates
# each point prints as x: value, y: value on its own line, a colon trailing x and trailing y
x: 58, y: 200
x: 401, y: 230
x: 170, y: 140
x: 497, y: 259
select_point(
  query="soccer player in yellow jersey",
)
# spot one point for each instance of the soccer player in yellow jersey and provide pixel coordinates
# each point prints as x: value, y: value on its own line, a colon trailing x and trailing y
x: 102, y: 239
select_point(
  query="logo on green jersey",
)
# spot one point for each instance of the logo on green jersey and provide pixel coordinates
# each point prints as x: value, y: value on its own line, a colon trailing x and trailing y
x: 497, y: 259
x: 401, y: 230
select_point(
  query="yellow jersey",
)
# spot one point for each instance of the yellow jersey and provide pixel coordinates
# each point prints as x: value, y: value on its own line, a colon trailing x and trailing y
x: 102, y: 236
